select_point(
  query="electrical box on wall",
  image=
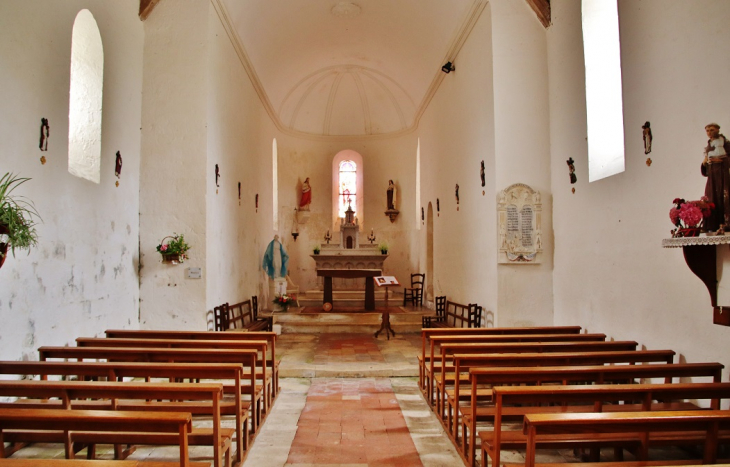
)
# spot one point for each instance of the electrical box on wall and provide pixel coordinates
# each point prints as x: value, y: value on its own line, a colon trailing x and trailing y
x: 194, y: 273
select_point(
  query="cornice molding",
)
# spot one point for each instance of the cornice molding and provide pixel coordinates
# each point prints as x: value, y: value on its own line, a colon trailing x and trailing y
x: 542, y: 10
x: 146, y: 7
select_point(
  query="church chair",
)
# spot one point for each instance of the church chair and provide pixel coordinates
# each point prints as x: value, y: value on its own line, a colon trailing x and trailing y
x: 414, y: 293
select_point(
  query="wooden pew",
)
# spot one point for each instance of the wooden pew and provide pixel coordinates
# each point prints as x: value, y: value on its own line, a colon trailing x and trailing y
x: 514, y: 402
x: 523, y: 347
x: 454, y: 315
x: 35, y: 462
x: 463, y: 362
x: 131, y: 354
x: 266, y: 365
x: 200, y: 398
x: 677, y: 428
x: 270, y: 338
x: 96, y: 426
x: 427, y: 333
x: 118, y: 371
x: 563, y: 375
x: 438, y: 368
x: 241, y: 316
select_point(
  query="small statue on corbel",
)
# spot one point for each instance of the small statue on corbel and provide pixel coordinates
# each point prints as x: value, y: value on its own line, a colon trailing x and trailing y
x: 392, y: 212
x: 118, y: 167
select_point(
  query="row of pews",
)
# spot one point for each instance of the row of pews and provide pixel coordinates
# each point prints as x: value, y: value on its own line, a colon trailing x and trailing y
x: 134, y: 388
x: 535, y: 388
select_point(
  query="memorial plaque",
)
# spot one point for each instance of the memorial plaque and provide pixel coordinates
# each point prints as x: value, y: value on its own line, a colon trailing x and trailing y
x: 519, y: 212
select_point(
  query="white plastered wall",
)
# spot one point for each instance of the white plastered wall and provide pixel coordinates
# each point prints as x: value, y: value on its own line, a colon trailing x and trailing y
x: 611, y: 273
x: 82, y: 277
x: 522, y: 152
x: 240, y: 136
x: 456, y: 134
x: 174, y: 174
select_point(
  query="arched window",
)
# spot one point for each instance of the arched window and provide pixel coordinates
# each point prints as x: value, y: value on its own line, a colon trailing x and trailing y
x: 347, y: 187
x: 347, y: 183
x: 85, y: 98
x: 604, y: 95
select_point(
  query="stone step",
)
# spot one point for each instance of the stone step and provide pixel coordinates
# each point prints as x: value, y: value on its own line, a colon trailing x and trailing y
x: 293, y: 321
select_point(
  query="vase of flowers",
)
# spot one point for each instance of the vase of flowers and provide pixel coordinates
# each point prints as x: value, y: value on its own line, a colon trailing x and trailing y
x: 688, y: 216
x: 173, y: 249
x: 282, y: 302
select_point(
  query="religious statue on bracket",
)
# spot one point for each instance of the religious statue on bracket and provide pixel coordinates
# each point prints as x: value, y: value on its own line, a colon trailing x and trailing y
x: 45, y: 133
x: 118, y: 166
x: 304, y: 202
x: 716, y: 166
x: 519, y: 211
x: 392, y: 212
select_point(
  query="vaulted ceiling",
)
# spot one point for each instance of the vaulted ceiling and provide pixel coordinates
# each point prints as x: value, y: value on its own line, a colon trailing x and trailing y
x: 348, y: 68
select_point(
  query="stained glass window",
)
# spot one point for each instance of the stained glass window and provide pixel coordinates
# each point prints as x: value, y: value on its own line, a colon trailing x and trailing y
x: 347, y: 190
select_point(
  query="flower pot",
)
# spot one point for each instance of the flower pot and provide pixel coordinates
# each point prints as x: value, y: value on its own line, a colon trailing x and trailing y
x: 172, y: 258
x: 3, y: 246
x: 688, y: 232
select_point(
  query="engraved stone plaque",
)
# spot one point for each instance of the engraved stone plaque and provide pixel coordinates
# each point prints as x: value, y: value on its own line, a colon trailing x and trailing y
x: 519, y: 212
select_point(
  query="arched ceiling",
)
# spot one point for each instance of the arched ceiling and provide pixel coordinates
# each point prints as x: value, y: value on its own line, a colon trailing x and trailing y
x: 348, y: 68
x: 338, y: 68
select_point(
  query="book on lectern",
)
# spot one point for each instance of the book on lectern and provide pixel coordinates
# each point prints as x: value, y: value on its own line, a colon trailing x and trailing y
x: 386, y: 280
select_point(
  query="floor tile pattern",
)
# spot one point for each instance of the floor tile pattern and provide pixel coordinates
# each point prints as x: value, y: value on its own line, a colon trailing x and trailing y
x: 352, y: 421
x: 338, y: 348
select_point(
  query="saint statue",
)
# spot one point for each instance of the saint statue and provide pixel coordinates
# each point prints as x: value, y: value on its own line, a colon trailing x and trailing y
x: 716, y: 167
x: 275, y: 259
x: 391, y: 195
x: 306, y: 199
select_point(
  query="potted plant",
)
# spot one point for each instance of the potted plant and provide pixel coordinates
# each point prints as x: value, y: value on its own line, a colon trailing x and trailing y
x: 316, y: 249
x: 175, y: 250
x: 283, y: 301
x: 17, y: 218
x: 383, y: 247
x: 688, y: 216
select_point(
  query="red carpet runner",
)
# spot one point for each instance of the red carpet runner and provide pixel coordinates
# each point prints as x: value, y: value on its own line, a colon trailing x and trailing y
x: 353, y: 421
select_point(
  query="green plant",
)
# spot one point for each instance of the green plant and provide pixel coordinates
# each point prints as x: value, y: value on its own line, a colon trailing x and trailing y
x: 383, y: 247
x: 316, y: 249
x: 176, y: 245
x: 17, y: 216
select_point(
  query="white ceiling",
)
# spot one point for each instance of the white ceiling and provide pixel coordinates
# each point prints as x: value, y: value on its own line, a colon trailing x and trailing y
x: 370, y: 72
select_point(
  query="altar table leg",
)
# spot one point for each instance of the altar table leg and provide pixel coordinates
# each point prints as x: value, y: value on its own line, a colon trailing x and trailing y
x: 369, y: 294
x: 327, y: 290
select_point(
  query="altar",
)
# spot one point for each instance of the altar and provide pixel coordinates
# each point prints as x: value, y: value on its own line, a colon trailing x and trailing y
x: 348, y: 253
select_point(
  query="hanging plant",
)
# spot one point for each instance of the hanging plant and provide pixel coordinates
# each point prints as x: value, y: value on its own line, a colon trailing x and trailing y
x: 17, y: 218
x: 175, y: 250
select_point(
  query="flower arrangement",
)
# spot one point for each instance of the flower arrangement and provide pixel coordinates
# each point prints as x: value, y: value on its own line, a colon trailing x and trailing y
x: 284, y: 301
x: 316, y: 249
x: 687, y: 216
x: 383, y: 247
x: 175, y: 250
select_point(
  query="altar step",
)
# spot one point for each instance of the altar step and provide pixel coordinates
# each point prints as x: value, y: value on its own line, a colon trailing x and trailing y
x: 293, y: 321
x: 349, y: 298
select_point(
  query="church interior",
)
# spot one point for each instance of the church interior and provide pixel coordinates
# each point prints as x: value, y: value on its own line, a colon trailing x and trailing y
x: 244, y: 129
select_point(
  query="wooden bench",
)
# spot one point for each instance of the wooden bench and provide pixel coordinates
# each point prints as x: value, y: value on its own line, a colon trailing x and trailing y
x: 264, y: 364
x: 524, y: 347
x: 699, y: 427
x: 202, y: 398
x: 453, y: 315
x: 427, y: 333
x: 34, y: 462
x: 463, y: 362
x: 270, y: 338
x: 514, y: 402
x: 95, y: 427
x: 242, y: 315
x: 438, y: 368
x: 245, y: 357
x: 598, y: 374
x: 118, y: 371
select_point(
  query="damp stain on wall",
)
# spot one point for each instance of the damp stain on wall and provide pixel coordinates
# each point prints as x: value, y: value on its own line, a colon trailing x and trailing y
x: 30, y: 335
x: 59, y: 251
